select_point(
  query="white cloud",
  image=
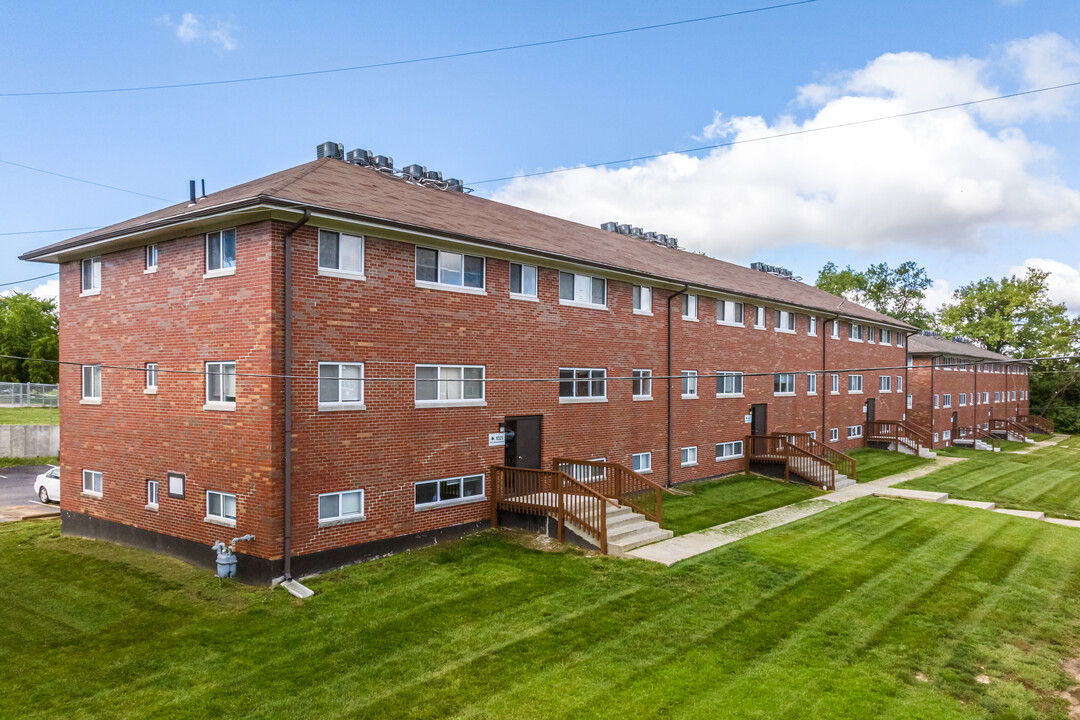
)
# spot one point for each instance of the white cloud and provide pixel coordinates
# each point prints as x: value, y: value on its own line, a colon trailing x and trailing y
x: 926, y: 180
x: 48, y: 290
x: 193, y: 28
x: 1063, y: 282
x: 937, y: 295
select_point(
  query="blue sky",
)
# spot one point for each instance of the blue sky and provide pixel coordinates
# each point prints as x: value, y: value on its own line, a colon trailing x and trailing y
x: 967, y: 194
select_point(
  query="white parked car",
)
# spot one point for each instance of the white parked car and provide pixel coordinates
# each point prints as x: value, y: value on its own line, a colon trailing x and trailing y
x: 47, y: 485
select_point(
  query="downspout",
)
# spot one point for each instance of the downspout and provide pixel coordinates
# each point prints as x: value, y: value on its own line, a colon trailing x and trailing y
x: 287, y: 517
x: 670, y: 298
x: 826, y: 389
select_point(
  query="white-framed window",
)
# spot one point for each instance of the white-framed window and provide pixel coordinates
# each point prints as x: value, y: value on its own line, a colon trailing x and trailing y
x: 582, y: 383
x: 221, y: 382
x: 1012, y: 395
x: 341, y: 253
x: 345, y: 505
x: 729, y: 384
x: 885, y: 336
x: 854, y: 431
x: 854, y: 383
x: 642, y: 462
x: 986, y: 397
x: 936, y: 438
x: 946, y: 400
x: 152, y: 493
x: 642, y: 384
x: 885, y: 383
x: 812, y: 329
x: 221, y: 506
x: 688, y: 456
x: 175, y: 484
x: 448, y: 491
x: 642, y: 300
x: 449, y: 385
x: 785, y: 321
x: 962, y: 400
x: 523, y: 281
x: 221, y: 251
x: 729, y: 450
x: 899, y: 340
x: 449, y: 269
x: 151, y: 376
x: 341, y: 384
x: 834, y: 383
x: 946, y: 435
x: 870, y: 334
x: 91, y: 382
x: 812, y: 434
x: 910, y: 401
x: 729, y: 312
x: 811, y: 384
x: 759, y: 317
x: 835, y: 330
x: 91, y: 276
x: 689, y: 383
x: 575, y: 289
x: 151, y: 259
x: 899, y: 383
x: 784, y: 384
x: 91, y: 482
x: 855, y: 332
x: 689, y: 304
x: 834, y: 434
x: 937, y: 400
x: 997, y: 396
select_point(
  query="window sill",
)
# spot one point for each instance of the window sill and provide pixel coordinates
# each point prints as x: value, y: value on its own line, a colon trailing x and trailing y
x: 151, y: 507
x: 693, y: 464
x: 729, y: 457
x: 811, y: 334
x: 578, y: 400
x: 854, y: 392
x: 760, y: 327
x: 524, y: 298
x: 150, y: 271
x: 450, y: 288
x: 730, y: 324
x: 90, y: 401
x: 89, y: 293
x: 786, y: 332
x: 150, y: 391
x: 220, y: 406
x: 587, y: 306
x: 89, y: 494
x: 343, y: 274
x: 783, y: 394
x: 644, y: 472
x: 690, y: 319
x: 811, y: 393
x: 221, y: 272
x: 642, y: 398
x: 450, y: 503
x: 723, y: 395
x: 886, y: 391
x: 223, y: 522
x: 689, y: 397
x: 643, y: 312
x: 854, y: 340
x: 341, y: 407
x: 834, y: 392
x: 341, y: 521
x: 448, y: 403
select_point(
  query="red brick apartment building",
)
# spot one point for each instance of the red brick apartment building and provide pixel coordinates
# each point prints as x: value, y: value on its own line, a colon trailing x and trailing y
x: 413, y: 322
x: 960, y: 392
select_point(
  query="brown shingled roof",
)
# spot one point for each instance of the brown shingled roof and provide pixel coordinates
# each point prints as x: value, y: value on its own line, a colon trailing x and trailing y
x: 333, y: 185
x: 935, y: 345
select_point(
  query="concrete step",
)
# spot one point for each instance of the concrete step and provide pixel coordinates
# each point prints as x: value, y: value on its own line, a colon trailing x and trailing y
x: 621, y: 520
x: 614, y: 511
x: 1033, y: 514
x: 1063, y: 521
x: 971, y: 504
x: 846, y: 482
x: 644, y: 537
x: 924, y: 495
x: 625, y: 530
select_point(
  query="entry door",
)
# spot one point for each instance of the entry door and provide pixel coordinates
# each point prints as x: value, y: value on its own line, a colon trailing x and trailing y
x: 871, y: 409
x: 523, y: 450
x: 759, y: 422
x: 954, y: 423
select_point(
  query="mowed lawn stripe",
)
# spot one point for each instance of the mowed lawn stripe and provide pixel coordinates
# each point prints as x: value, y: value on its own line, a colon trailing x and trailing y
x: 719, y: 501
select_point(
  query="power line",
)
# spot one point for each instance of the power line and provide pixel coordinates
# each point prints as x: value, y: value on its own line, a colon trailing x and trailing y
x: 793, y: 133
x: 82, y: 180
x: 39, y: 277
x: 413, y: 61
x: 39, y: 232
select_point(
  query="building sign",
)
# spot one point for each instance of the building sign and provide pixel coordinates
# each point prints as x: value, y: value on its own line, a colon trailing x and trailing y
x: 748, y: 419
x: 496, y: 439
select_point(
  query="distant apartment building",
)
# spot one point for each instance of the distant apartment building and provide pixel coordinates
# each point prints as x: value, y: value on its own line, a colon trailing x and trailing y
x: 330, y: 357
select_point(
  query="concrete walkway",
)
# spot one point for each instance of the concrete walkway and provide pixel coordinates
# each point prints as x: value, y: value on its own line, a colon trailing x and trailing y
x: 669, y: 552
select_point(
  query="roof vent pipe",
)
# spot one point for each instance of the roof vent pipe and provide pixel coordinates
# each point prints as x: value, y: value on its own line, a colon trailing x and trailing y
x: 204, y: 187
x: 191, y: 191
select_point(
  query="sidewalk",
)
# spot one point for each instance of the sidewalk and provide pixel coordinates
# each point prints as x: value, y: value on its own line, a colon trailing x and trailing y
x: 669, y: 552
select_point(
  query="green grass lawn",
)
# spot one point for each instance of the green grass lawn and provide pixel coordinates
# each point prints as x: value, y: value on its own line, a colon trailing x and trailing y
x: 1047, y: 479
x: 730, y: 498
x: 29, y: 416
x: 875, y: 609
x: 6, y: 462
x: 872, y: 464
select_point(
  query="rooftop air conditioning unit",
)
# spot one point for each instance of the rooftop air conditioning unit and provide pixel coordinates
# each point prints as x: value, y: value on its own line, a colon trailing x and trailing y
x: 636, y: 232
x: 610, y: 226
x: 673, y: 242
x: 662, y: 239
x: 330, y: 149
x: 359, y: 156
x: 651, y: 237
x: 435, y: 175
x: 624, y: 229
x: 383, y: 162
x: 414, y: 172
x: 455, y: 185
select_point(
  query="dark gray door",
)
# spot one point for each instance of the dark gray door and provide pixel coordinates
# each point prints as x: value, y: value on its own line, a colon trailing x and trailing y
x: 759, y: 419
x: 954, y: 424
x: 523, y: 449
x: 871, y: 409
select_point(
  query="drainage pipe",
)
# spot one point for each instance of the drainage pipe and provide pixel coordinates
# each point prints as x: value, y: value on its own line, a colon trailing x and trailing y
x: 287, y: 445
x: 670, y: 298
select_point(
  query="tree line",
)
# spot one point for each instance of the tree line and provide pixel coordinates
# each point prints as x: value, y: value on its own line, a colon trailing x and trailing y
x: 29, y: 328
x: 1013, y: 316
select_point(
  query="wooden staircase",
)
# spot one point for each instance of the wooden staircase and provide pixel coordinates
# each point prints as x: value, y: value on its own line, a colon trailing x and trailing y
x: 900, y: 435
x: 1036, y: 423
x: 797, y: 460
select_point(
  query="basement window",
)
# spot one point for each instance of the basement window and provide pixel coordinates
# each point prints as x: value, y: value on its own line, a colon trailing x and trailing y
x: 854, y: 431
x: 341, y: 253
x: 642, y: 462
x: 729, y: 450
x: 91, y: 482
x: 834, y: 434
x: 221, y: 507
x: 449, y: 491
x: 688, y: 456
x: 340, y: 506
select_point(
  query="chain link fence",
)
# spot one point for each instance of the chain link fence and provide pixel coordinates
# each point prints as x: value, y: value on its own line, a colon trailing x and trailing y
x: 29, y: 395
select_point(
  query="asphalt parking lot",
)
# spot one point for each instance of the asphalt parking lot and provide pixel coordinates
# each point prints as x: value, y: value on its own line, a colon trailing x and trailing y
x: 17, y: 498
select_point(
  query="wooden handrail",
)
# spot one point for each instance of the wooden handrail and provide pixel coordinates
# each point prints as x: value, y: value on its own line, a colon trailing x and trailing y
x: 1037, y: 422
x: 1009, y: 426
x: 841, y: 461
x: 897, y: 430
x: 617, y: 481
x: 779, y: 449
x: 981, y: 434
